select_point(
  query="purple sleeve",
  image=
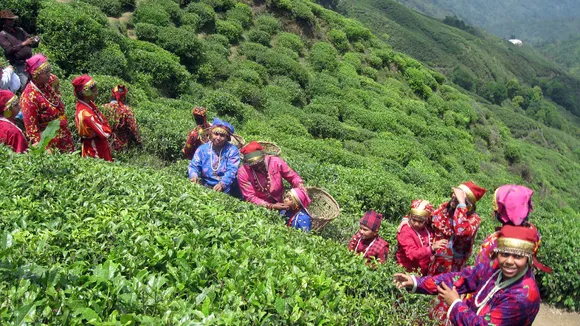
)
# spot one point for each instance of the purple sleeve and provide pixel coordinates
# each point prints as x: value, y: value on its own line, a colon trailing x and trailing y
x: 232, y: 165
x: 509, y: 309
x: 466, y: 281
x: 287, y: 173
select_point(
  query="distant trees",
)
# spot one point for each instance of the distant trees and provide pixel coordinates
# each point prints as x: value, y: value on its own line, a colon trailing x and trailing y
x: 458, y: 23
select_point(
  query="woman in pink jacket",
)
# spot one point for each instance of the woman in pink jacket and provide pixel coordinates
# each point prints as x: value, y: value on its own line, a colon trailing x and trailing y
x: 260, y: 177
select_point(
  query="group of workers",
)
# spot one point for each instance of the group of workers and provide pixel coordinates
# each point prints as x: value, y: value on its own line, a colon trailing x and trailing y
x: 499, y: 289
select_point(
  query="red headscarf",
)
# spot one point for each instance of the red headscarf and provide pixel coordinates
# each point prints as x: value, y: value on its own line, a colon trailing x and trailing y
x: 83, y: 83
x: 473, y: 191
x: 372, y: 220
x: 7, y: 99
x: 119, y: 92
x: 521, y: 240
x: 36, y: 64
x: 199, y: 111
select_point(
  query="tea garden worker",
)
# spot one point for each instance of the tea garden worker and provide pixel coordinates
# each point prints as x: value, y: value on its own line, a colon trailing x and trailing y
x: 196, y: 136
x: 17, y: 44
x: 503, y: 293
x: 457, y: 222
x: 10, y: 134
x: 261, y: 177
x: 512, y: 205
x: 415, y: 240
x: 215, y: 163
x: 122, y: 120
x: 41, y: 103
x: 91, y: 124
x: 367, y: 240
x: 297, y: 215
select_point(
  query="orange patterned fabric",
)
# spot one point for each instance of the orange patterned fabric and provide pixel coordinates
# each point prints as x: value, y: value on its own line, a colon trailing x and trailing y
x: 94, y: 131
x: 41, y: 105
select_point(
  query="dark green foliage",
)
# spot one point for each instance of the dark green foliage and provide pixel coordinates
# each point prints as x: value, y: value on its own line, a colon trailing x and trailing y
x: 339, y: 40
x: 166, y: 73
x: 113, y: 8
x: 152, y: 13
x: 268, y: 24
x: 240, y: 13
x: 206, y: 13
x: 231, y: 30
x: 456, y: 22
x: 323, y: 57
x: 72, y: 34
x: 220, y: 5
x: 322, y: 126
x: 191, y: 19
x: 259, y: 36
x: 179, y: 41
x: 290, y: 41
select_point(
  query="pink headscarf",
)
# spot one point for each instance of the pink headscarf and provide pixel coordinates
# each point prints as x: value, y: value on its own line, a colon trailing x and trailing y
x: 34, y: 63
x: 513, y: 203
x: 302, y: 197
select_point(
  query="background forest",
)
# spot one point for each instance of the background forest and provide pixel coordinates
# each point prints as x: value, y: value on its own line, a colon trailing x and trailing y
x: 359, y: 110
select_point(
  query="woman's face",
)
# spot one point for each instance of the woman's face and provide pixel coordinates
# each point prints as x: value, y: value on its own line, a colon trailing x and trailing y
x: 218, y: 139
x: 511, y: 264
x: 288, y: 201
x: 43, y: 77
x: 417, y: 223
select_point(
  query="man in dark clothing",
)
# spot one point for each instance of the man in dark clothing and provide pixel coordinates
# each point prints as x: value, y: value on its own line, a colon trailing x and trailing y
x: 17, y: 44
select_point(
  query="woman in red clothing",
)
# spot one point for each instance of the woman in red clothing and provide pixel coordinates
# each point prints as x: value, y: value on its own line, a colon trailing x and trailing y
x: 197, y: 136
x: 91, y: 124
x: 40, y: 103
x: 415, y: 238
x: 10, y: 134
x: 122, y: 120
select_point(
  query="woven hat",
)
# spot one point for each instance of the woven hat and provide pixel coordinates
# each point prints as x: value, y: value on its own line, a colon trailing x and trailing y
x: 7, y: 14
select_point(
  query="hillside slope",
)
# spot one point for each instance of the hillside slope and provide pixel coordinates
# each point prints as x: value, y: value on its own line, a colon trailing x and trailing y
x: 473, y: 59
x: 531, y: 20
x: 374, y: 126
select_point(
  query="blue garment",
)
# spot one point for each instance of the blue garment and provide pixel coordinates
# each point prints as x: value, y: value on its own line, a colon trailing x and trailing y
x: 201, y: 166
x: 219, y: 122
x: 300, y: 220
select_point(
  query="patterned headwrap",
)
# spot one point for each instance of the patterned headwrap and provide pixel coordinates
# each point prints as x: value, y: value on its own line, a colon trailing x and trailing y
x: 512, y: 203
x: 473, y: 191
x: 7, y: 100
x: 253, y: 153
x: 198, y: 111
x: 221, y: 126
x: 372, y: 220
x: 119, y: 92
x: 421, y: 209
x: 521, y: 240
x: 36, y: 65
x: 300, y: 197
x: 83, y: 84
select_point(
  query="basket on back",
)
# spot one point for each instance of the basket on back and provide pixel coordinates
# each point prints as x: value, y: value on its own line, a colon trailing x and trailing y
x: 270, y: 148
x: 323, y: 208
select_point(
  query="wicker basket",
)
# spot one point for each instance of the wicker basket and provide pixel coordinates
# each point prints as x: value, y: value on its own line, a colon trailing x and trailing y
x: 323, y: 208
x: 270, y: 148
x: 238, y: 140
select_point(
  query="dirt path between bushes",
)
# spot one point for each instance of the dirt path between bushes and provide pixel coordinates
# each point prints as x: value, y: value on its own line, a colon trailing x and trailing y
x: 549, y: 316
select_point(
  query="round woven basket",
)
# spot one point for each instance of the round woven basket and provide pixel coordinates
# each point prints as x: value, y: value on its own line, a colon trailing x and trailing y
x: 238, y: 141
x: 323, y: 208
x: 270, y: 148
